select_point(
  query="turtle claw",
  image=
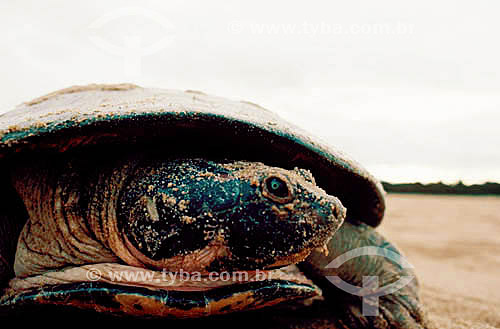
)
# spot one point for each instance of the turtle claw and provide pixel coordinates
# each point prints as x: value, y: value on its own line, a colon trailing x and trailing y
x: 366, y: 281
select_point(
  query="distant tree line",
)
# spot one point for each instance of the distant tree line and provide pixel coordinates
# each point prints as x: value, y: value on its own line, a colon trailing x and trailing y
x: 441, y: 188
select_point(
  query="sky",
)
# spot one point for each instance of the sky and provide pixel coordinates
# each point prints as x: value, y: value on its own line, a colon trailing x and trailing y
x: 410, y: 89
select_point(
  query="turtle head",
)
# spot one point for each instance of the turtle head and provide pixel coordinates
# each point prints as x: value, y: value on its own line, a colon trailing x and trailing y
x: 87, y: 199
x: 200, y: 215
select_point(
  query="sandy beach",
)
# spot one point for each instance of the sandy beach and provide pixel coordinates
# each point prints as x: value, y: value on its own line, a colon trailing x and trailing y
x: 454, y: 244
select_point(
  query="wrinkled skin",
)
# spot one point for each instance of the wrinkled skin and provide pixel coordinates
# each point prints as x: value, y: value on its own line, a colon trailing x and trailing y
x: 188, y: 214
x: 147, y: 214
x: 338, y: 311
x: 400, y: 309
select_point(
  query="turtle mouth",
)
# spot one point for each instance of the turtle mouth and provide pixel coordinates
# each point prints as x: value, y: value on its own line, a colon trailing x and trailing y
x: 127, y: 290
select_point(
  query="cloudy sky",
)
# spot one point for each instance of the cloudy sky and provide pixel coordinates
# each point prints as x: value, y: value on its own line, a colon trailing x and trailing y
x: 411, y: 89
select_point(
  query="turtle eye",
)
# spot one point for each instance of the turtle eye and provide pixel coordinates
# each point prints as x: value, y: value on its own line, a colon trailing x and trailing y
x: 277, y: 189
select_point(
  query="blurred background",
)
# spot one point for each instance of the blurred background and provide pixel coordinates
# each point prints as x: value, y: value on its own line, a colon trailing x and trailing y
x: 408, y: 88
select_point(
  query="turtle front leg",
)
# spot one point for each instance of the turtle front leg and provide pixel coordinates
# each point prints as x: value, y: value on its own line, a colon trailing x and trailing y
x: 366, y: 281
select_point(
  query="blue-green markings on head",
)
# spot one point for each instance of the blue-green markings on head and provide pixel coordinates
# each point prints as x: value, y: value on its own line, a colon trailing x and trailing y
x: 225, y: 215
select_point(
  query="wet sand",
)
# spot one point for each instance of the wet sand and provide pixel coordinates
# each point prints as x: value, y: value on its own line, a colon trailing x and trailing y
x: 454, y: 244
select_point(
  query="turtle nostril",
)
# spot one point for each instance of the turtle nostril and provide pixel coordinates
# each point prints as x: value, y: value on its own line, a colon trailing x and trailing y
x: 334, y: 208
x: 336, y: 211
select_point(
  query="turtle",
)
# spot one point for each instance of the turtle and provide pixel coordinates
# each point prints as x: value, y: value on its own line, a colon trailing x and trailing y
x: 157, y: 203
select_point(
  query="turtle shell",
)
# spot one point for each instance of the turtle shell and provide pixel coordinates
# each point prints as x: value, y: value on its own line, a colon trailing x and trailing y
x: 187, y: 122
x: 126, y: 118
